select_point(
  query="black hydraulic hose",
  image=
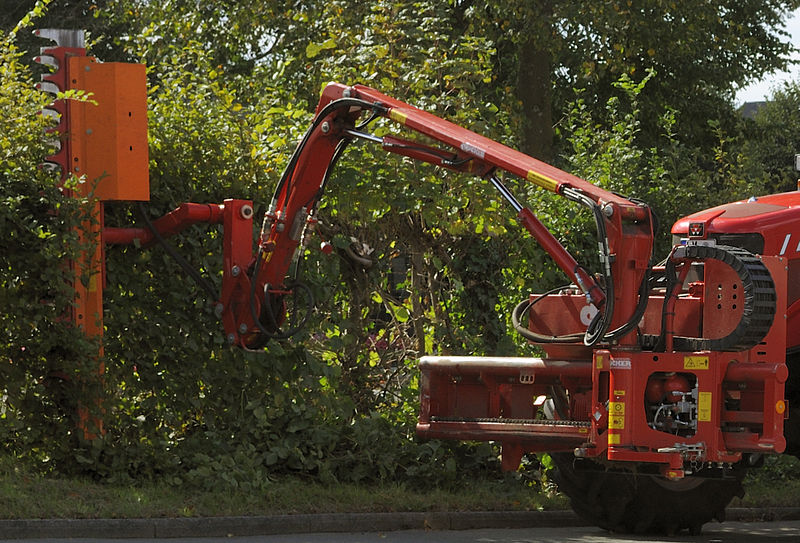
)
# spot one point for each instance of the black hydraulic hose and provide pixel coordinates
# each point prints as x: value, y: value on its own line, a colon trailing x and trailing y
x: 279, y: 189
x: 268, y: 310
x: 672, y: 284
x: 602, y: 321
x: 337, y: 154
x: 179, y: 259
x: 318, y: 120
x: 641, y: 307
x: 524, y: 307
x: 598, y: 327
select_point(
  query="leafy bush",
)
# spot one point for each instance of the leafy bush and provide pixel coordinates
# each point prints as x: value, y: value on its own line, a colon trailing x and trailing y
x: 178, y: 404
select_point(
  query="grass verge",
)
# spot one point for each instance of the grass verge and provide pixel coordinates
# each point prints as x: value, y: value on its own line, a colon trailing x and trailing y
x: 31, y: 496
x: 25, y: 496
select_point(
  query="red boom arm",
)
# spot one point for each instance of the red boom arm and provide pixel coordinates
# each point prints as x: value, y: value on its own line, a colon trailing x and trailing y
x: 627, y: 232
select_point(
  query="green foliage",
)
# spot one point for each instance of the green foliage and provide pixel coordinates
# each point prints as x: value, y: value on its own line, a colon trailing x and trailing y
x: 673, y: 179
x: 774, y: 137
x: 37, y: 11
x: 180, y: 405
x: 777, y: 470
x: 703, y: 51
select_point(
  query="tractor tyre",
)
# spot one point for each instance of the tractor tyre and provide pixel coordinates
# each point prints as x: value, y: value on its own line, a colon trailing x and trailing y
x: 627, y: 502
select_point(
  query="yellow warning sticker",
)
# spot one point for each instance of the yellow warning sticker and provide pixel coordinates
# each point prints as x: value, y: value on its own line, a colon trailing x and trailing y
x: 695, y: 362
x: 398, y: 116
x: 613, y: 439
x: 616, y: 415
x: 704, y: 407
x: 619, y: 393
x: 542, y: 180
x: 616, y: 422
x: 599, y: 362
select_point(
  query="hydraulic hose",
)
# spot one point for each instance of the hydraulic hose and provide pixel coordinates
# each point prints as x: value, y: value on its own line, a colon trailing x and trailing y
x: 524, y: 307
x: 602, y: 321
x: 283, y: 188
x: 318, y: 120
x: 598, y: 328
x: 267, y: 309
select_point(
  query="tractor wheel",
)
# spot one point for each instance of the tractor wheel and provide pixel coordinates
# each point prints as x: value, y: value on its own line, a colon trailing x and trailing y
x: 626, y: 502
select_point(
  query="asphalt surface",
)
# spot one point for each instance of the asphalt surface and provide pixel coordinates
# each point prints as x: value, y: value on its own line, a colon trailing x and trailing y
x: 226, y: 527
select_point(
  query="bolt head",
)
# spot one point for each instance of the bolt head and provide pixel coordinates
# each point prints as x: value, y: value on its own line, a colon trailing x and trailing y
x: 231, y: 338
x: 242, y: 328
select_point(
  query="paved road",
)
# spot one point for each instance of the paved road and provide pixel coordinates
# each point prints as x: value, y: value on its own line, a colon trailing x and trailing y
x: 729, y: 532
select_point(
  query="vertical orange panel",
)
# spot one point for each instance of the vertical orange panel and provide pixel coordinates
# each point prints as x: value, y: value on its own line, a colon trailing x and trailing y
x: 109, y: 134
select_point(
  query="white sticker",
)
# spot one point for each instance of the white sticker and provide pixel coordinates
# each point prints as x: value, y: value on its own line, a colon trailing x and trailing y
x: 587, y: 314
x: 785, y: 243
x: 621, y: 363
x: 473, y: 150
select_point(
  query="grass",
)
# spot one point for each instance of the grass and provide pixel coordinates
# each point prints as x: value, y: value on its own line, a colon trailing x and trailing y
x: 776, y: 484
x: 23, y: 495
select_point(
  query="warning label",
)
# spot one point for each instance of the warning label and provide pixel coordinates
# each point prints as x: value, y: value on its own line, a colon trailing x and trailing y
x: 695, y: 362
x: 616, y: 422
x: 704, y: 407
x: 599, y: 362
x: 616, y: 415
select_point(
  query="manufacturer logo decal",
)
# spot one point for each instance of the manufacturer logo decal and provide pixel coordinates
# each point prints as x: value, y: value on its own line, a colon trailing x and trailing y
x: 621, y: 363
x: 697, y: 229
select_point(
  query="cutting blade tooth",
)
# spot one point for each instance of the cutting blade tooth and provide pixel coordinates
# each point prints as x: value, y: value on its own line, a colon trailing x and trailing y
x: 47, y: 86
x: 47, y: 60
x: 62, y: 37
x: 53, y: 142
x: 50, y: 167
x: 51, y: 113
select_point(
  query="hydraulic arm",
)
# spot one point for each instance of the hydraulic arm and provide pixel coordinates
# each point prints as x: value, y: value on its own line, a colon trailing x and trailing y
x: 624, y: 227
